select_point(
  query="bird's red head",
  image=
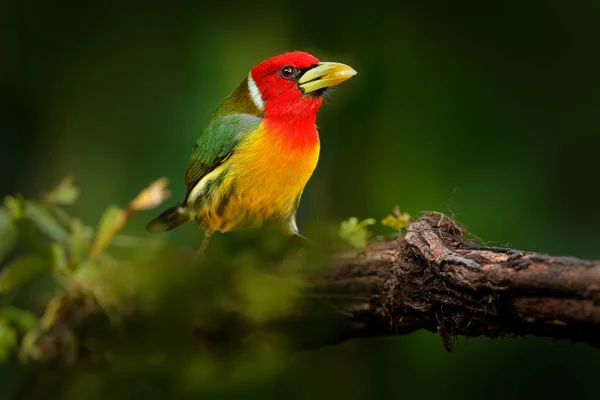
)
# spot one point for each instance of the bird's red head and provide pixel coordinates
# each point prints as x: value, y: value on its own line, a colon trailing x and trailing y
x: 291, y: 85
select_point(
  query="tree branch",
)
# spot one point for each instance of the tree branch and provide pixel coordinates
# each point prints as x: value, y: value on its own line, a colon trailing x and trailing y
x: 436, y: 279
x: 432, y: 278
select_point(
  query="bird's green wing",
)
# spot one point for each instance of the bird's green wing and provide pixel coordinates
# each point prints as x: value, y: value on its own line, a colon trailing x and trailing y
x: 216, y: 143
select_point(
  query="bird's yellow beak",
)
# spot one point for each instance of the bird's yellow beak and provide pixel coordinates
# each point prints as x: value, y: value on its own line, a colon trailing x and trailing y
x: 324, y: 75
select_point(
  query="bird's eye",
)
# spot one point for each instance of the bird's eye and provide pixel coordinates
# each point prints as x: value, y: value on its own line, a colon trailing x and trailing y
x: 287, y: 72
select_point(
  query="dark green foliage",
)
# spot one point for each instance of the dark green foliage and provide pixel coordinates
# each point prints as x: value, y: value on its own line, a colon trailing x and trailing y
x: 487, y: 109
x: 197, y: 323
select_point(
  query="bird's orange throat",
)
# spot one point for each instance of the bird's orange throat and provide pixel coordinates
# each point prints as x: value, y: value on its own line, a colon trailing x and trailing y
x: 293, y: 134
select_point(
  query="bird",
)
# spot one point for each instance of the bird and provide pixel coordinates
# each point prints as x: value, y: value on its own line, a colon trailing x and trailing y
x: 257, y: 151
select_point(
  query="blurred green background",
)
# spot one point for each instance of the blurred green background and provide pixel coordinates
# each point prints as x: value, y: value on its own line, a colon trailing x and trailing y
x: 488, y: 112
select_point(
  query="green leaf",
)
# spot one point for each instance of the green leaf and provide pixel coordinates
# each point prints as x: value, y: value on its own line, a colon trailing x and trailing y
x: 60, y: 215
x: 51, y: 312
x: 59, y: 257
x: 8, y: 340
x: 112, y: 222
x: 65, y: 193
x: 14, y: 206
x: 45, y: 222
x: 63, y: 269
x: 24, y: 320
x: 8, y: 234
x: 21, y: 271
x: 356, y: 233
x: 29, y: 346
x: 80, y: 240
x: 397, y: 220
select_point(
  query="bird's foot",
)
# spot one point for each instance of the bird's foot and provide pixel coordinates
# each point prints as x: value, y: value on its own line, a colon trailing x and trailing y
x: 200, y: 254
x: 303, y: 239
x: 302, y: 242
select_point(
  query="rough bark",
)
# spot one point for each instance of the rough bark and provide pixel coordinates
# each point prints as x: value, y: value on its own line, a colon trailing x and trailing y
x: 431, y: 277
x: 434, y: 278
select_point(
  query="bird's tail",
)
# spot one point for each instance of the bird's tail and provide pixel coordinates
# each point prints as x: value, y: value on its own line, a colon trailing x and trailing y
x: 169, y: 219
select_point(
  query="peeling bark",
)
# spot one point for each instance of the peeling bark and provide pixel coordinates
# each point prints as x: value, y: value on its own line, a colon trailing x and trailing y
x: 434, y: 278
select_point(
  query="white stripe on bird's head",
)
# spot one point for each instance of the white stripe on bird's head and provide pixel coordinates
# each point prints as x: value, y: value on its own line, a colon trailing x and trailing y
x: 255, y: 93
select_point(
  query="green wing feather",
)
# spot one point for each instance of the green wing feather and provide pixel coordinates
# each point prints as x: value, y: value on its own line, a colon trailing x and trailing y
x: 216, y: 143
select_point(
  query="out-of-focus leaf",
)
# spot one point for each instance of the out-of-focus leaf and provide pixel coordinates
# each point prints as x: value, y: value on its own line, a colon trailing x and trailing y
x: 112, y: 222
x: 355, y: 233
x: 29, y: 349
x: 61, y: 215
x: 8, y: 234
x: 63, y: 271
x: 151, y: 196
x: 24, y: 320
x: 94, y: 281
x: 88, y: 275
x: 59, y: 257
x: 266, y: 296
x: 65, y: 193
x: 397, y: 220
x: 114, y: 218
x: 79, y: 240
x: 22, y: 270
x: 50, y: 313
x: 14, y: 206
x: 8, y: 340
x: 45, y: 222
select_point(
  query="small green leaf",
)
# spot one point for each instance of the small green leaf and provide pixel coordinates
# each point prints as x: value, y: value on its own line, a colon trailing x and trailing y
x: 45, y: 222
x: 51, y: 312
x: 80, y: 240
x: 112, y: 222
x: 22, y: 270
x: 29, y: 348
x: 356, y: 233
x: 24, y: 320
x: 62, y: 268
x: 59, y: 257
x: 60, y: 214
x: 8, y: 340
x: 8, y: 234
x: 397, y: 220
x: 14, y: 206
x: 65, y: 193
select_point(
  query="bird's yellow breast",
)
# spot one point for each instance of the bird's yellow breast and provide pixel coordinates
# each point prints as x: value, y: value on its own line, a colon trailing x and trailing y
x: 261, y: 182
